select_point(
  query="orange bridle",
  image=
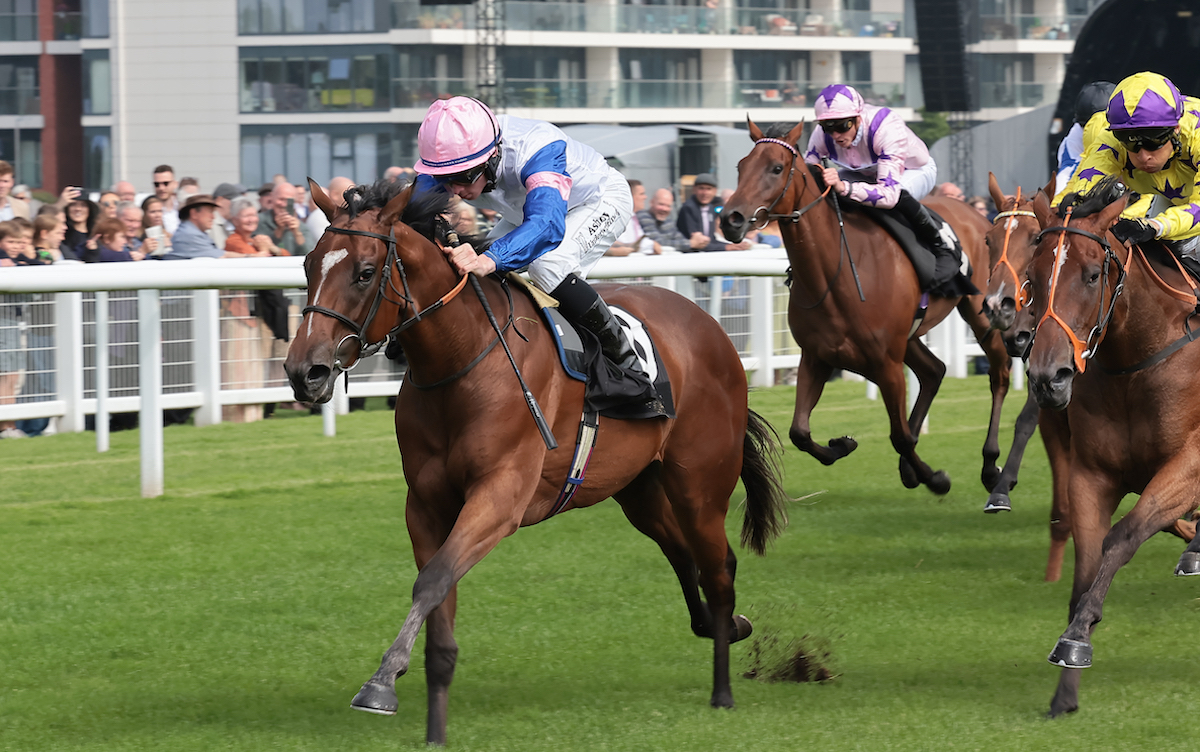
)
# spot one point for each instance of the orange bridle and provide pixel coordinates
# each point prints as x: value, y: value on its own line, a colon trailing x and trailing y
x: 1020, y: 292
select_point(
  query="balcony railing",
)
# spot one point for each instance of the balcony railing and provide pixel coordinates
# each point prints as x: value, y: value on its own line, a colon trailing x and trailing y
x: 537, y: 92
x: 68, y: 25
x: 20, y: 101
x: 18, y: 27
x: 260, y: 96
x: 1016, y: 95
x: 1029, y: 27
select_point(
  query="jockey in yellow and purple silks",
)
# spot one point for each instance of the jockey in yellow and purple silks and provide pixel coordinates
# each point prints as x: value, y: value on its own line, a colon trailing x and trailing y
x: 1153, y: 143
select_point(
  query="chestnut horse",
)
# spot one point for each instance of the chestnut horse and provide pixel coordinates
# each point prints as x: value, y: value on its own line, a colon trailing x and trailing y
x: 475, y: 463
x: 1107, y: 348
x: 869, y: 335
x: 1010, y: 242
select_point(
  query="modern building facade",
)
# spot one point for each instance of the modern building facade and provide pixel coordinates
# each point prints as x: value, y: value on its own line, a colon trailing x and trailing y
x: 245, y: 89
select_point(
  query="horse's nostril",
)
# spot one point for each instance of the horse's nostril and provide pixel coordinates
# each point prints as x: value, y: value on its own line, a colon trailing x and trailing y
x: 317, y: 375
x: 735, y: 219
x: 1061, y: 377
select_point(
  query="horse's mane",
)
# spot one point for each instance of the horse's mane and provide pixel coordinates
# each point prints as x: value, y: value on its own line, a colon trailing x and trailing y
x: 424, y: 213
x: 1084, y: 204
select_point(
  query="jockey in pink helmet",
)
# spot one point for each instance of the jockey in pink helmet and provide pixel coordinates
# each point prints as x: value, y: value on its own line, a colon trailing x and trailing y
x: 878, y: 161
x: 561, y: 207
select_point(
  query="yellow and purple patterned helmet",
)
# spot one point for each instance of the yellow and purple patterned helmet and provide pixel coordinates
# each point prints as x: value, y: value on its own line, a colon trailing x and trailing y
x: 1144, y: 100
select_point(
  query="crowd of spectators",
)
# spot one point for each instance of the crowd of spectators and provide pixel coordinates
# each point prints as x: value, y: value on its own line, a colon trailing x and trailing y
x: 178, y: 219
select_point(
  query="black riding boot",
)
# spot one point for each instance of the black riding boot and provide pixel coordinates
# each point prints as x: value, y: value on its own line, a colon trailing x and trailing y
x: 929, y: 231
x: 581, y: 304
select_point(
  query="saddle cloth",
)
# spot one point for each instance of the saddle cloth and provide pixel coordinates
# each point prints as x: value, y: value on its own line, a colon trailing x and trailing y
x: 941, y: 282
x: 581, y: 357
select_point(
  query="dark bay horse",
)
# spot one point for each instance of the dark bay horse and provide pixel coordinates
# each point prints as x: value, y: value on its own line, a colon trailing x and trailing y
x: 1107, y: 323
x: 1010, y: 242
x: 834, y: 327
x: 476, y: 466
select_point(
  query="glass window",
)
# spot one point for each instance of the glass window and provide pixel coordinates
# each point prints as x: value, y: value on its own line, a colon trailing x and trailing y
x: 311, y: 16
x: 97, y: 83
x: 18, y: 21
x: 345, y: 80
x: 97, y: 157
x: 856, y: 67
x: 359, y: 152
x: 25, y: 156
x: 95, y: 19
x: 248, y: 17
x: 19, y: 86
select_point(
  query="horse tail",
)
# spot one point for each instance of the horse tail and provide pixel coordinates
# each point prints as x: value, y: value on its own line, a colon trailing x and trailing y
x: 766, y: 512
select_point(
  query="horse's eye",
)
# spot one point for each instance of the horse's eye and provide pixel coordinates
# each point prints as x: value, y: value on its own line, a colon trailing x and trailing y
x: 778, y: 169
x: 365, y: 275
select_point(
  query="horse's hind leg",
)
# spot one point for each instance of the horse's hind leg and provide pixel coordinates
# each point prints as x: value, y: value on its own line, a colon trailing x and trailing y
x: 810, y: 382
x: 1189, y: 562
x: 998, y: 501
x: 929, y: 371
x: 646, y: 506
x: 999, y: 368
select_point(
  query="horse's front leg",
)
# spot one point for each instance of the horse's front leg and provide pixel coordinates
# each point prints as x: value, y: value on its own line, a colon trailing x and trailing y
x: 489, y: 514
x: 1027, y: 421
x: 999, y: 370
x: 810, y: 383
x: 929, y: 371
x: 1056, y: 436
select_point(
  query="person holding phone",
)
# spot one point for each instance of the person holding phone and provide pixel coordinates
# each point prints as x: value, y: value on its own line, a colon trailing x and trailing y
x: 279, y: 222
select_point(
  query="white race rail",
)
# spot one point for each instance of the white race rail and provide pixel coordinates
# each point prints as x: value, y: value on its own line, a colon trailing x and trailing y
x: 68, y: 281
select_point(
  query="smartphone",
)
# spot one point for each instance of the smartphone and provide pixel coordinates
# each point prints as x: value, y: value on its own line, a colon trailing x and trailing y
x: 291, y: 206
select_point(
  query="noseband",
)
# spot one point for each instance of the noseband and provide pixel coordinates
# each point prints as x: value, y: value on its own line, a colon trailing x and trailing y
x: 365, y: 347
x: 1083, y: 350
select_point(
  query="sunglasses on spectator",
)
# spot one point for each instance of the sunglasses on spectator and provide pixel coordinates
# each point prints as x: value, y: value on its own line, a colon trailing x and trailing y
x: 463, y: 178
x: 838, y: 126
x: 1150, y: 140
x: 162, y: 184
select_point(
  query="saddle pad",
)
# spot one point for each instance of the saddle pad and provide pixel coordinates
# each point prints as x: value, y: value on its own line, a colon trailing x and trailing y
x: 923, y: 260
x: 580, y: 356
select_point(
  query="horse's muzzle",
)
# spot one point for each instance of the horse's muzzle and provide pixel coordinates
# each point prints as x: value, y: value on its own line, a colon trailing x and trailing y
x: 733, y: 226
x: 311, y: 383
x: 1001, y: 311
x: 1052, y: 390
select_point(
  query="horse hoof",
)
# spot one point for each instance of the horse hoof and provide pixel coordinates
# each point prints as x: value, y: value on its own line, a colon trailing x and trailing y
x: 843, y: 446
x: 1189, y: 564
x: 908, y: 474
x: 997, y: 502
x: 1071, y: 654
x: 722, y: 700
x: 940, y: 483
x: 375, y: 698
x: 742, y: 628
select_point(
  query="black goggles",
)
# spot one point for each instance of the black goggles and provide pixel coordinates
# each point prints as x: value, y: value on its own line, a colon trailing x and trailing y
x: 838, y: 126
x: 1151, y: 140
x: 466, y: 177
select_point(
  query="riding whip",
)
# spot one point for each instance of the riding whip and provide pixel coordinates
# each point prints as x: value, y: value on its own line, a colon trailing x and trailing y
x: 842, y: 230
x: 530, y: 401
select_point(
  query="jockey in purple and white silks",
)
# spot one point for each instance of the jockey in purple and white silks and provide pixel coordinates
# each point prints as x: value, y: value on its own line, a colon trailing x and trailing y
x: 878, y: 161
x: 561, y: 207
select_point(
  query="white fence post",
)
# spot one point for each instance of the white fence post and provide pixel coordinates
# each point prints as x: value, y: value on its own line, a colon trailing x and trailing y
x: 150, y: 378
x: 101, y: 421
x: 68, y: 358
x: 206, y: 354
x: 762, y: 328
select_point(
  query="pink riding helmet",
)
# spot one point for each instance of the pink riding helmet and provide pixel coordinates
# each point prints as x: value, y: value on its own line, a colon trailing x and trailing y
x: 838, y: 102
x: 457, y: 134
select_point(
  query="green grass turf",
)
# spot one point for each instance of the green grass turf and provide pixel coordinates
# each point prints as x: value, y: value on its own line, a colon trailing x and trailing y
x: 243, y: 610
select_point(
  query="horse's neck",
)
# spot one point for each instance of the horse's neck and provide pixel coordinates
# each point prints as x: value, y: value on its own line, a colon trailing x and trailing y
x: 445, y: 340
x: 815, y: 247
x: 1145, y: 321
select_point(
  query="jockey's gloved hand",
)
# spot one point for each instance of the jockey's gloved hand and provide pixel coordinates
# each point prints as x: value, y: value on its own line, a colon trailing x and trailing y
x: 1134, y: 231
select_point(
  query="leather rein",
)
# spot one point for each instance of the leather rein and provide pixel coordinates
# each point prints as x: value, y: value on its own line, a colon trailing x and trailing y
x: 403, y: 299
x: 794, y: 217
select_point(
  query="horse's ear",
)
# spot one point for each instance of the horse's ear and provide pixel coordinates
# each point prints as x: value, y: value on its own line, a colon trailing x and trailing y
x: 998, y: 197
x: 1109, y: 215
x: 755, y: 132
x: 1051, y: 188
x: 1041, y: 208
x: 322, y: 200
x: 391, y: 213
x: 793, y: 136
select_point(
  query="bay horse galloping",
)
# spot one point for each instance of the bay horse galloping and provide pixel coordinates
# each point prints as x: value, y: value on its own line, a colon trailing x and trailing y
x: 1112, y: 348
x: 869, y: 335
x: 1010, y: 242
x: 476, y: 465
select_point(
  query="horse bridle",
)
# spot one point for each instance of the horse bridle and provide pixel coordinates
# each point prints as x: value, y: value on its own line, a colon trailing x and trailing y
x: 765, y: 211
x: 1022, y: 297
x: 1083, y: 350
x: 367, y: 348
